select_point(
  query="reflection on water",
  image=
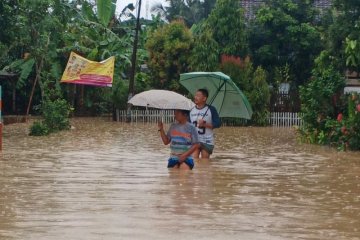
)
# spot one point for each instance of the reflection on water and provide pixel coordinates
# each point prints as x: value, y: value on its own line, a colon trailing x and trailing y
x: 107, y: 180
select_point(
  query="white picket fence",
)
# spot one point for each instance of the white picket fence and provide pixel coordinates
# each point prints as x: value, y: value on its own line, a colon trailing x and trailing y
x: 277, y: 119
x: 152, y: 116
x: 285, y: 119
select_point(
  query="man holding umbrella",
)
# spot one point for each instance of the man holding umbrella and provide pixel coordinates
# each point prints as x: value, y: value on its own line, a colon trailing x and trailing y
x: 205, y: 118
x: 223, y: 95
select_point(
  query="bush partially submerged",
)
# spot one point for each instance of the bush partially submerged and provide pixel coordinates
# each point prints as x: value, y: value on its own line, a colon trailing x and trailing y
x: 330, y: 118
x: 56, y: 114
x: 344, y: 132
x: 56, y: 118
x: 39, y: 129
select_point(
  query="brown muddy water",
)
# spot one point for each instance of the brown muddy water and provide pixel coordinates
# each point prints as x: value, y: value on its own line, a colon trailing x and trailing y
x: 107, y: 180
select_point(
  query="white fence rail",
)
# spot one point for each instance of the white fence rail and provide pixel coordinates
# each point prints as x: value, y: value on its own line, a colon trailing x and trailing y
x: 277, y: 119
x: 285, y: 119
x: 153, y: 116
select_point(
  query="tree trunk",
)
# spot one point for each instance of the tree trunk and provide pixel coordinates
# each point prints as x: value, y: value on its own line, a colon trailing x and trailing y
x: 31, y: 97
x: 38, y: 66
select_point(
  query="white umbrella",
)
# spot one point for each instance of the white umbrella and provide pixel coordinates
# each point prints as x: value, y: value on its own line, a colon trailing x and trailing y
x: 161, y: 99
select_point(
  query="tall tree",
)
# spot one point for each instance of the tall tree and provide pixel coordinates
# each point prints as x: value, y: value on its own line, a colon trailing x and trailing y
x: 227, y: 22
x: 205, y: 54
x: 284, y: 32
x: 339, y: 24
x: 190, y: 11
x: 169, y: 54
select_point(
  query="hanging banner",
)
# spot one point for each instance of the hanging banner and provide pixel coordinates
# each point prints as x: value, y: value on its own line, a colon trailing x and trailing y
x: 80, y: 70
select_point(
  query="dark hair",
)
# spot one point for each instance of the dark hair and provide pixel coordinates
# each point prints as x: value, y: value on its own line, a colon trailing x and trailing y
x: 204, y: 92
x: 185, y: 112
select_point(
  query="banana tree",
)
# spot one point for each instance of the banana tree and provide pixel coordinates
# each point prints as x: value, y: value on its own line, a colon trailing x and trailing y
x: 47, y: 30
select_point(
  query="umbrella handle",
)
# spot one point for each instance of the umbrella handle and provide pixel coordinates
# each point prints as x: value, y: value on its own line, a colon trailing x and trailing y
x: 213, y: 98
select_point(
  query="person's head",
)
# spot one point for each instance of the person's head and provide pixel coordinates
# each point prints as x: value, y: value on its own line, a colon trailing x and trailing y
x: 181, y: 115
x: 201, y: 96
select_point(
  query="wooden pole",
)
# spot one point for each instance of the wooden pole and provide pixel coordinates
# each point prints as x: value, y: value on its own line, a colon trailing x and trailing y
x: 31, y: 97
x: 37, y: 78
x: 133, y: 61
x: 133, y: 57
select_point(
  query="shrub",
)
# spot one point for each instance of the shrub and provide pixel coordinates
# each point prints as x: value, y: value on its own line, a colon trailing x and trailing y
x: 344, y: 132
x: 329, y: 118
x: 240, y: 70
x: 320, y: 98
x: 259, y: 97
x: 56, y: 114
x: 39, y: 129
x: 56, y: 117
x: 252, y: 83
x: 169, y: 48
x: 205, y: 53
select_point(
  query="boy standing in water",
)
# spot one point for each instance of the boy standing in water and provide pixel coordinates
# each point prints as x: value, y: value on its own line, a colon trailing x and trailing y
x: 205, y: 118
x: 183, y: 140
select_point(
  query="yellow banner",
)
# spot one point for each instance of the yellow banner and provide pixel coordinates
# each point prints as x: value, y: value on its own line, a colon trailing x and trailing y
x: 80, y: 70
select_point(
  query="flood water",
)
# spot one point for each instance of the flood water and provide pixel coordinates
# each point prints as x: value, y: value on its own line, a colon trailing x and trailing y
x: 108, y: 180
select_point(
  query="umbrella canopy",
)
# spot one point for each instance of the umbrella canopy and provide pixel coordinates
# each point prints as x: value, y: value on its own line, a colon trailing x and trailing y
x: 161, y: 99
x: 224, y: 95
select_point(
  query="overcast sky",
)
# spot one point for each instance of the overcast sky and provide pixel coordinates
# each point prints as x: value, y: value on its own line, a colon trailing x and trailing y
x: 146, y: 4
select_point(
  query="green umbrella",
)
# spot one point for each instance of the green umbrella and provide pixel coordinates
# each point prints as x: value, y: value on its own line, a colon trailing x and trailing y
x: 224, y: 95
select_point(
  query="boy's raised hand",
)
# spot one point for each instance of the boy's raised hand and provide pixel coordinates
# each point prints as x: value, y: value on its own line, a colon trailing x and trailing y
x: 160, y: 125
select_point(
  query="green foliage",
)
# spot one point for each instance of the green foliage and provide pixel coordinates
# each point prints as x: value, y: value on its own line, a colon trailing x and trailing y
x: 227, y: 23
x: 39, y: 35
x: 320, y: 97
x: 105, y: 10
x: 169, y: 50
x: 56, y: 118
x: 282, y: 33
x: 342, y: 23
x: 205, y: 54
x: 40, y: 26
x: 330, y: 118
x: 23, y: 67
x: 320, y: 104
x: 240, y: 70
x: 253, y: 84
x: 192, y: 12
x: 352, y: 51
x: 25, y: 70
x: 56, y: 114
x: 119, y: 94
x: 142, y: 82
x: 282, y: 74
x: 39, y: 129
x: 259, y: 97
x: 353, y: 122
x: 343, y: 132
